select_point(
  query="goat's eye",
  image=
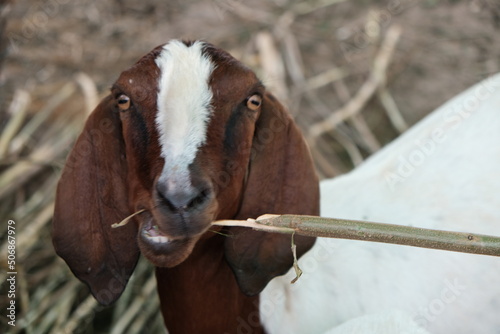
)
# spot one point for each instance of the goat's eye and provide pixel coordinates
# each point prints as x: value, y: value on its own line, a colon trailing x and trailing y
x: 254, y: 102
x: 123, y: 102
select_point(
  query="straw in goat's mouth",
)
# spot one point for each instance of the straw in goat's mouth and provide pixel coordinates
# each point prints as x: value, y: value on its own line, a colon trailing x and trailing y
x: 150, y: 231
x: 126, y: 220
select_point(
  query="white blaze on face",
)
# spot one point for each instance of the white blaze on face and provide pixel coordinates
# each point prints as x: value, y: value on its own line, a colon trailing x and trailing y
x: 183, y: 108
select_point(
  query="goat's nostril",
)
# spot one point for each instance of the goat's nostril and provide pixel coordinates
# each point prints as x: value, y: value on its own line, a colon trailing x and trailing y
x: 199, y: 199
x: 184, y: 200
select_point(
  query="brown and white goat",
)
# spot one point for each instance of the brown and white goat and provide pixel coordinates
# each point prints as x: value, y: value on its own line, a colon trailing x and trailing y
x: 189, y: 135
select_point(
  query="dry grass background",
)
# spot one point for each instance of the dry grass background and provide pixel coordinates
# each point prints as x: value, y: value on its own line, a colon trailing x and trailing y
x: 354, y: 74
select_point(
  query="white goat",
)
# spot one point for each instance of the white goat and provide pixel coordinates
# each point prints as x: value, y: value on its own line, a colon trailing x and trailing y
x: 444, y: 173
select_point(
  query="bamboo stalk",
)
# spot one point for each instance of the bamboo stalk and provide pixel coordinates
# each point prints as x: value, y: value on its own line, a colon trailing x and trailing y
x: 376, y: 232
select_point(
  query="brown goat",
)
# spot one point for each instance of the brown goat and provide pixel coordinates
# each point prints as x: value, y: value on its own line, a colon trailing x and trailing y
x: 189, y: 135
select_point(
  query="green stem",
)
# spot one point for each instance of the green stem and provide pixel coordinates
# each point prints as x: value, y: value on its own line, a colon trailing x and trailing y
x: 387, y: 233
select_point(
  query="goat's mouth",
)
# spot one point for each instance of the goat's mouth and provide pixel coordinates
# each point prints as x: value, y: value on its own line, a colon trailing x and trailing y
x: 161, y: 249
x: 151, y: 232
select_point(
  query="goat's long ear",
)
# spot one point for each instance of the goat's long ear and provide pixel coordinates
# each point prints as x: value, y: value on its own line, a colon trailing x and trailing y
x: 281, y: 180
x: 92, y: 195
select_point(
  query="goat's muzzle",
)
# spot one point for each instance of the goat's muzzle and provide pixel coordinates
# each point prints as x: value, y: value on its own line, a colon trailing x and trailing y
x: 175, y: 222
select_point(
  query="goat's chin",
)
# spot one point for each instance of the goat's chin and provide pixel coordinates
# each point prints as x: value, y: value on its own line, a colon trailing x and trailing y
x: 169, y: 254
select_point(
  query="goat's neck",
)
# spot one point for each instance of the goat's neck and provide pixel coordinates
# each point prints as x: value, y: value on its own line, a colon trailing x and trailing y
x: 201, y: 295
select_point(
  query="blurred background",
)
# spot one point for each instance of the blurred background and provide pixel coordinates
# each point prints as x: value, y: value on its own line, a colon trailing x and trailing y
x: 354, y: 74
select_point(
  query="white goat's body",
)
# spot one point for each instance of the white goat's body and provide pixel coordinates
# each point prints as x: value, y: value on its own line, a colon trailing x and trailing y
x: 444, y: 174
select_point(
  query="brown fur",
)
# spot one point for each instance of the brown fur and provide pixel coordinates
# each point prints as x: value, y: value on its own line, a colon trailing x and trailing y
x: 253, y: 162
